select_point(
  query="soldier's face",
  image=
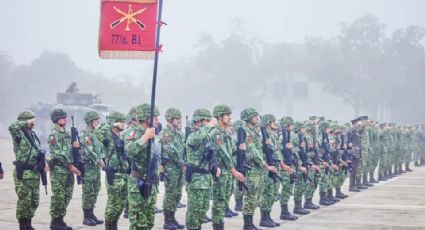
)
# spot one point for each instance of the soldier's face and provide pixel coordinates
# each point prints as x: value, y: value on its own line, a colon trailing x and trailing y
x: 119, y: 125
x: 255, y: 120
x: 226, y: 119
x: 274, y: 126
x: 95, y: 123
x: 62, y: 122
x: 177, y: 123
x: 31, y: 125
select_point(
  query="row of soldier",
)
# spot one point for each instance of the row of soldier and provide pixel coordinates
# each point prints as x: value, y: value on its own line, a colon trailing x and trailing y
x: 259, y: 160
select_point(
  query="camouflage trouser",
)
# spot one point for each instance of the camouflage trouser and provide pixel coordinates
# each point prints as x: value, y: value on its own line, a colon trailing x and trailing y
x: 325, y: 181
x: 141, y: 211
x: 363, y: 165
x: 62, y: 188
x: 339, y: 178
x: 28, y: 192
x: 117, y: 197
x: 251, y: 198
x: 311, y: 187
x: 384, y: 164
x: 373, y: 162
x: 173, y: 188
x: 221, y: 197
x: 300, y: 187
x: 198, y: 202
x: 287, y: 188
x: 238, y: 193
x: 91, y: 187
x: 268, y: 193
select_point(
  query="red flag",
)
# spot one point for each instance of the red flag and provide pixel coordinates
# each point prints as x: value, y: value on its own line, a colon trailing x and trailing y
x: 128, y: 29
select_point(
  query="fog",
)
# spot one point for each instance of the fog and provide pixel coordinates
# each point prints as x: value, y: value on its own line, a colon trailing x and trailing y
x: 333, y: 58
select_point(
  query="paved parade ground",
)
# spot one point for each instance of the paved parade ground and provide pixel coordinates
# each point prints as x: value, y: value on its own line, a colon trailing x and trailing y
x: 396, y: 204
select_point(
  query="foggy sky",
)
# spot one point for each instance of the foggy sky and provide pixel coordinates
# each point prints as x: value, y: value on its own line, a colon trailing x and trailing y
x: 71, y: 27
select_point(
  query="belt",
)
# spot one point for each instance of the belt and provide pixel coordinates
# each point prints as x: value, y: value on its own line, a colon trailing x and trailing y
x: 138, y: 175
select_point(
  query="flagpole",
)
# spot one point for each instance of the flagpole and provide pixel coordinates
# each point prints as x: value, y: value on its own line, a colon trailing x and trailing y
x: 152, y: 114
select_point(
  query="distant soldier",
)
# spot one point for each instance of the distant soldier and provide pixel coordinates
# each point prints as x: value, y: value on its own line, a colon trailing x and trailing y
x: 1, y: 172
x: 26, y: 146
x: 92, y: 149
x: 116, y: 168
x: 198, y: 175
x: 173, y: 162
x: 254, y: 157
x: 61, y: 169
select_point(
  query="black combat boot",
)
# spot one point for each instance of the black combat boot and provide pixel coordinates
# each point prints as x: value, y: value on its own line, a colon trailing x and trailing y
x: 55, y: 224
x: 308, y: 204
x: 175, y: 222
x: 93, y: 217
x: 339, y: 194
x: 29, y: 224
x: 353, y: 187
x: 232, y: 212
x: 168, y: 221
x: 265, y: 222
x: 298, y: 208
x: 247, y: 222
x: 125, y: 214
x: 323, y: 199
x: 271, y: 220
x: 239, y: 205
x: 331, y: 196
x: 64, y: 224
x: 366, y: 182
x: 218, y: 226
x: 206, y: 219
x: 108, y: 225
x: 87, y: 218
x: 227, y: 213
x: 359, y: 184
x: 285, y: 214
x: 22, y: 224
x: 407, y: 165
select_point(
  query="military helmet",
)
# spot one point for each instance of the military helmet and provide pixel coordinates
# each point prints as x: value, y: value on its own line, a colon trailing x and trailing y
x: 220, y: 110
x: 172, y: 113
x: 116, y: 117
x: 267, y: 118
x: 297, y: 126
x: 248, y: 114
x: 143, y: 112
x: 324, y: 125
x: 312, y: 118
x: 26, y: 115
x: 131, y: 114
x: 287, y: 121
x: 90, y: 116
x: 201, y: 114
x: 309, y: 125
x: 57, y: 114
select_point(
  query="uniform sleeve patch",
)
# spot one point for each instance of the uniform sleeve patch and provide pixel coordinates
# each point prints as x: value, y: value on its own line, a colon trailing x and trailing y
x: 249, y: 139
x: 53, y: 140
x: 168, y: 137
x: 131, y: 136
x: 88, y: 141
x: 219, y: 140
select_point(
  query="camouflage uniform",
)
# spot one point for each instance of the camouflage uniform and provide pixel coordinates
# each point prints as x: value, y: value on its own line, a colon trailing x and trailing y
x: 173, y: 148
x: 115, y: 161
x: 198, y: 188
x: 141, y: 210
x: 61, y: 179
x: 27, y: 188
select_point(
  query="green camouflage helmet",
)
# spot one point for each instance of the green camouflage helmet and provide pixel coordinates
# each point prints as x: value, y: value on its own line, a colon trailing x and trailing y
x: 309, y: 125
x: 172, y: 113
x: 143, y: 112
x: 287, y: 121
x: 26, y: 115
x: 116, y: 117
x: 201, y: 114
x: 267, y: 118
x: 237, y: 124
x: 312, y: 118
x: 324, y: 125
x: 220, y: 110
x: 298, y: 125
x: 90, y: 116
x: 57, y: 114
x: 131, y: 114
x: 248, y: 114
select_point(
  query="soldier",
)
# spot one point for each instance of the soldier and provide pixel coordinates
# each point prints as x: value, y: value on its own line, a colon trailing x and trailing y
x: 141, y: 209
x: 198, y: 176
x: 238, y: 194
x: 254, y: 155
x: 1, y: 172
x: 26, y: 146
x: 313, y: 156
x: 116, y: 168
x: 224, y: 147
x: 355, y: 147
x: 173, y: 161
x: 92, y: 149
x: 374, y: 150
x: 343, y: 159
x: 270, y: 188
x: 384, y: 163
x: 290, y: 166
x: 61, y: 169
